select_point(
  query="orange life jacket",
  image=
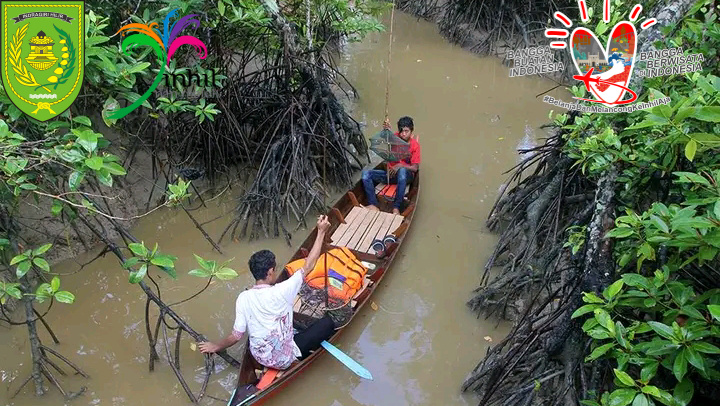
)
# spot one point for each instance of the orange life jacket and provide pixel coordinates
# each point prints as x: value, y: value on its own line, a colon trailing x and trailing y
x: 345, y: 273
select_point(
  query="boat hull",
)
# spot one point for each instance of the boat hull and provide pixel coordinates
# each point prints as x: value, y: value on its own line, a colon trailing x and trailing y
x: 353, y: 197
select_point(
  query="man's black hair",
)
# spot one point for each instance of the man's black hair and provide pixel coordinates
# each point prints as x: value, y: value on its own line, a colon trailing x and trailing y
x: 405, y: 122
x: 260, y: 263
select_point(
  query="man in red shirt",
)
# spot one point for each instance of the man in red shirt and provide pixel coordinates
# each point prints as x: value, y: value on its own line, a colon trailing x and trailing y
x: 401, y: 172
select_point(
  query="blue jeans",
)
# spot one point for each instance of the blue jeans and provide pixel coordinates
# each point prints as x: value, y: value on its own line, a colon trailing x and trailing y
x: 372, y: 177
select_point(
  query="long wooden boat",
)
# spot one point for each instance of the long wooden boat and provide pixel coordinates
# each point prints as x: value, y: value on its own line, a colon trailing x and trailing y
x: 352, y: 226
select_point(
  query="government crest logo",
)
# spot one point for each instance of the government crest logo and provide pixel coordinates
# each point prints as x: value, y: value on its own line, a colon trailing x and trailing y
x: 42, y: 55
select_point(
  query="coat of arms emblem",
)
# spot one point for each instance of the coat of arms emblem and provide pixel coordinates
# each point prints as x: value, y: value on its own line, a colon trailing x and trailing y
x: 42, y: 55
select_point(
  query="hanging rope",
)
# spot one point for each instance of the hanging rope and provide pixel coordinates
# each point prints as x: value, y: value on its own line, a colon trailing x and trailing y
x: 387, y: 80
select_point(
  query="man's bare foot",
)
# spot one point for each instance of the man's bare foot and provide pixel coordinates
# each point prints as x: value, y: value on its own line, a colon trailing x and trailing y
x: 396, y: 211
x: 371, y: 207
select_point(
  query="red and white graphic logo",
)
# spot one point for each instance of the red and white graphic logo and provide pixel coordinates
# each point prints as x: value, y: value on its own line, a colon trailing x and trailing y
x: 605, y: 72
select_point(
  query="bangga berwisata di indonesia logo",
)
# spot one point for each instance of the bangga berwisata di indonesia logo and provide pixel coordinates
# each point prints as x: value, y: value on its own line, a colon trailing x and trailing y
x: 165, y: 43
x: 42, y: 55
x: 604, y: 71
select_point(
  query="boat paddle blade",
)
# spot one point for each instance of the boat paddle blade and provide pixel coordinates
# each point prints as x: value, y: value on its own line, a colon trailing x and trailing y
x: 347, y: 361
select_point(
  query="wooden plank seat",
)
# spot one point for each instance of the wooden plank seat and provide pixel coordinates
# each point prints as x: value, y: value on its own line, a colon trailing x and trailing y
x: 362, y: 226
x: 388, y: 191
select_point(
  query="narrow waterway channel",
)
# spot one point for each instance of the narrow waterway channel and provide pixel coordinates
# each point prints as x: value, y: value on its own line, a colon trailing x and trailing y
x: 421, y: 341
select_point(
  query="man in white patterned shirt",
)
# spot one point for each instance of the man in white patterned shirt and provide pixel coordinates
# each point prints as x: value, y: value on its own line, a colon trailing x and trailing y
x: 266, y: 312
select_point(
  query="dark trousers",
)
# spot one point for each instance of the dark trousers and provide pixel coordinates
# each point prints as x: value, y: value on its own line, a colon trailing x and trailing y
x: 310, y: 339
x: 402, y: 178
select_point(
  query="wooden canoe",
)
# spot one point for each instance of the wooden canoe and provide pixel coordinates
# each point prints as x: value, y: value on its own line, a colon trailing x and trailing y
x: 354, y: 227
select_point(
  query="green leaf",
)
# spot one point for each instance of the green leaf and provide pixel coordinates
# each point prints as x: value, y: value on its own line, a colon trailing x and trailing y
x: 683, y: 391
x: 170, y: 271
x: 599, y: 351
x: 680, y: 366
x: 659, y: 347
x: 692, y: 312
x: 87, y: 139
x: 226, y: 273
x: 589, y: 297
x: 83, y: 120
x: 64, y: 297
x: 685, y: 177
x: 75, y: 179
x: 714, y: 311
x: 659, y: 394
x: 621, y: 397
x: 707, y: 113
x: 130, y: 262
x: 71, y: 155
x: 694, y: 358
x: 104, y: 177
x: 18, y: 258
x: 633, y: 279
x: 43, y: 292
x: 138, y: 249
x: 705, y: 347
x: 42, y: 249
x: 137, y: 276
x: 42, y: 264
x: 23, y: 268
x: 624, y: 378
x: 619, y: 232
x: 690, y: 149
x: 114, y: 168
x: 649, y: 371
x: 163, y: 261
x: 202, y: 273
x: 14, y: 292
x: 603, y: 317
x: 584, y: 309
x: 659, y: 223
x: 599, y: 333
x: 705, y: 138
x: 662, y: 329
x: 641, y: 400
x: 612, y: 290
x: 204, y: 264
x: 139, y: 68
x: 55, y: 283
x: 683, y: 113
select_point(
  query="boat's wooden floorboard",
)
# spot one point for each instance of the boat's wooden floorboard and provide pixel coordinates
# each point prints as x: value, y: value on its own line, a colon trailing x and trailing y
x: 363, y: 226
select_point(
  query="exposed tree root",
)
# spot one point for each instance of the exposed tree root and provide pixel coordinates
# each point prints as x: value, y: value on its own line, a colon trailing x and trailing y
x: 540, y: 361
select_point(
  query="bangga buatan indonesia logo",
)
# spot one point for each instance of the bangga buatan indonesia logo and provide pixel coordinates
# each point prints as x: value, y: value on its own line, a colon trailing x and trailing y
x: 605, y: 72
x: 165, y: 43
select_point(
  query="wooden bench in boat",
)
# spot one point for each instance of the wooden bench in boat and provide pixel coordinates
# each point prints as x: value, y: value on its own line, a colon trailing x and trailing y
x: 362, y: 226
x: 388, y: 191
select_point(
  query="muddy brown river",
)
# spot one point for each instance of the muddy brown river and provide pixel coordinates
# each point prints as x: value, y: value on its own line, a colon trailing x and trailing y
x: 421, y: 341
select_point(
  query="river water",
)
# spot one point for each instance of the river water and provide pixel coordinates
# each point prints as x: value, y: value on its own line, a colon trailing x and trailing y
x: 422, y: 340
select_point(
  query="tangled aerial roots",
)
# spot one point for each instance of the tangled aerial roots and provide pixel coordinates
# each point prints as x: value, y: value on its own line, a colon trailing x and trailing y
x: 300, y: 135
x: 540, y: 361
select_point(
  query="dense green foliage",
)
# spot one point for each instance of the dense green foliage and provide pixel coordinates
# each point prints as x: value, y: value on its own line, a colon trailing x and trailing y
x: 659, y: 323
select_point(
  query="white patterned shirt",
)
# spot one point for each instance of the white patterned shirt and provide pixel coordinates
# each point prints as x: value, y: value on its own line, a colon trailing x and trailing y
x: 267, y: 313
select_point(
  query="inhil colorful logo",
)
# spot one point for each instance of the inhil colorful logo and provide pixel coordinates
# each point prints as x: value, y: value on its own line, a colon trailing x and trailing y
x: 164, y: 43
x: 605, y: 72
